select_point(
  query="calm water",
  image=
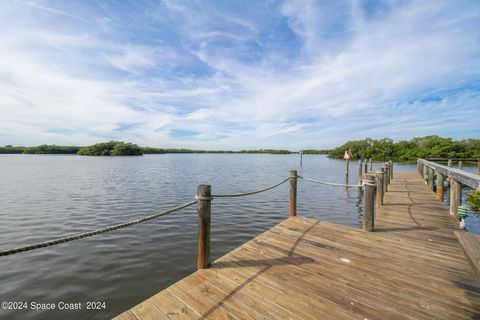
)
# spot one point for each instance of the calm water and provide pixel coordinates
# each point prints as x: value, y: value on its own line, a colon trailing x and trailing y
x: 43, y: 197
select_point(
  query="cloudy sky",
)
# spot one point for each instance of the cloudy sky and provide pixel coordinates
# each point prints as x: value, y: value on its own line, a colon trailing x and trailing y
x: 237, y: 74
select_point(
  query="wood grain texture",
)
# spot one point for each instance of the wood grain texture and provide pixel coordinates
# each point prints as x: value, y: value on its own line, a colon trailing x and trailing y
x: 412, y: 267
x: 471, y: 246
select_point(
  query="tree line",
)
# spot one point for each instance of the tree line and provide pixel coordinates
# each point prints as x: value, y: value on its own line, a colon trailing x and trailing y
x: 405, y: 150
x: 116, y: 148
x: 380, y: 149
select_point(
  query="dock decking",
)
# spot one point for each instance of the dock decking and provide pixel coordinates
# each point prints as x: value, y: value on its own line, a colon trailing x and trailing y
x: 411, y: 267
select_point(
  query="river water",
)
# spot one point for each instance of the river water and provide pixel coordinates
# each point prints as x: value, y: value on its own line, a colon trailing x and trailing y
x: 46, y: 196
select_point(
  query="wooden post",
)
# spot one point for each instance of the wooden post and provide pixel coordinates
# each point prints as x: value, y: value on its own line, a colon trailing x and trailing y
x: 449, y: 163
x: 346, y: 170
x: 387, y: 165
x: 455, y: 197
x: 430, y: 179
x: 204, y: 203
x: 360, y: 171
x: 460, y: 165
x: 292, y: 211
x: 379, y: 180
x: 391, y: 169
x: 440, y: 181
x: 368, y: 213
x: 301, y: 158
x: 384, y: 178
x: 366, y: 165
x: 370, y: 161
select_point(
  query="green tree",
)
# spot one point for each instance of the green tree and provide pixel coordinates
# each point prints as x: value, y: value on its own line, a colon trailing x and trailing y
x: 111, y: 148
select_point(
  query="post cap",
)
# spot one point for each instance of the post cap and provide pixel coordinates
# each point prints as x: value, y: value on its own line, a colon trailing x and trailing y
x: 204, y: 190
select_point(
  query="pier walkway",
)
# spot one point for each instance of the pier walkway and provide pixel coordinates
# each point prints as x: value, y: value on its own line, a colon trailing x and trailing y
x: 411, y: 267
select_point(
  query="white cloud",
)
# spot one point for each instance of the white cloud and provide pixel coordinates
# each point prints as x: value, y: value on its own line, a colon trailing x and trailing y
x: 219, y: 74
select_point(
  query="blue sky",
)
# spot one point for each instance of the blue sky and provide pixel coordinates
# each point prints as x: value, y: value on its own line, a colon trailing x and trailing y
x: 237, y: 74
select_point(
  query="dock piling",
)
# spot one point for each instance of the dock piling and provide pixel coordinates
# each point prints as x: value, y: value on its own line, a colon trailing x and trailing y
x: 379, y: 193
x: 431, y: 179
x: 346, y: 170
x: 292, y: 212
x: 204, y: 204
x: 440, y: 187
x: 360, y: 171
x: 391, y: 169
x: 384, y: 179
x: 368, y: 214
x: 455, y: 197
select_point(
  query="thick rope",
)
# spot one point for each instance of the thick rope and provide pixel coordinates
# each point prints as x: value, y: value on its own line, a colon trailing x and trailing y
x: 336, y: 184
x: 246, y: 193
x: 92, y: 233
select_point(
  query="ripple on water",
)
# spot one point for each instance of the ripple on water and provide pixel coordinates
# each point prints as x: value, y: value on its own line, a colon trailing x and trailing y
x: 44, y: 197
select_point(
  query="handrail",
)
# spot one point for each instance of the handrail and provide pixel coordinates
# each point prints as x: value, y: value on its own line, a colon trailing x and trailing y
x: 465, y: 178
x: 77, y: 236
x: 453, y: 159
x: 332, y: 183
x: 86, y: 234
x: 203, y: 199
x: 233, y: 195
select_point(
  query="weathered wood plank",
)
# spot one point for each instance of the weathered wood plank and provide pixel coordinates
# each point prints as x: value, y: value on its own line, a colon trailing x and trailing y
x: 411, y: 267
x: 466, y: 178
x: 471, y: 246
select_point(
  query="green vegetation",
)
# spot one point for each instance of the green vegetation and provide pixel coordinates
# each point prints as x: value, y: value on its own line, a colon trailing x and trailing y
x: 425, y: 147
x: 148, y: 150
x: 382, y: 149
x: 11, y: 149
x: 51, y: 149
x: 311, y: 151
x: 473, y: 200
x: 268, y: 151
x: 111, y: 148
x: 42, y: 149
x: 117, y: 148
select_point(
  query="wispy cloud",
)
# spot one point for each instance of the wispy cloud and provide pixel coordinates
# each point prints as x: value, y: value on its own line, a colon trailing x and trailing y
x: 291, y: 74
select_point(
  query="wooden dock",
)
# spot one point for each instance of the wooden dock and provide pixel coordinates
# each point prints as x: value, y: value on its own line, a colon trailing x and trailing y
x: 411, y: 267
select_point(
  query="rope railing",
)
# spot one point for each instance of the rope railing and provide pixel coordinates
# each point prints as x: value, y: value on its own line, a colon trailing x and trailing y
x: 203, y: 200
x: 92, y: 233
x: 82, y: 235
x: 332, y: 183
x: 233, y: 195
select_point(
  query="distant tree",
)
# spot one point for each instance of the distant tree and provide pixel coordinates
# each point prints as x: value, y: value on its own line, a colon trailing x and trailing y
x: 424, y: 147
x: 51, y: 149
x: 111, y: 148
x: 11, y: 149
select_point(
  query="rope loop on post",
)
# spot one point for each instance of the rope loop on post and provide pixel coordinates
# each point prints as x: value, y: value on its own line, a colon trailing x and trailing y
x: 202, y: 198
x: 368, y: 183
